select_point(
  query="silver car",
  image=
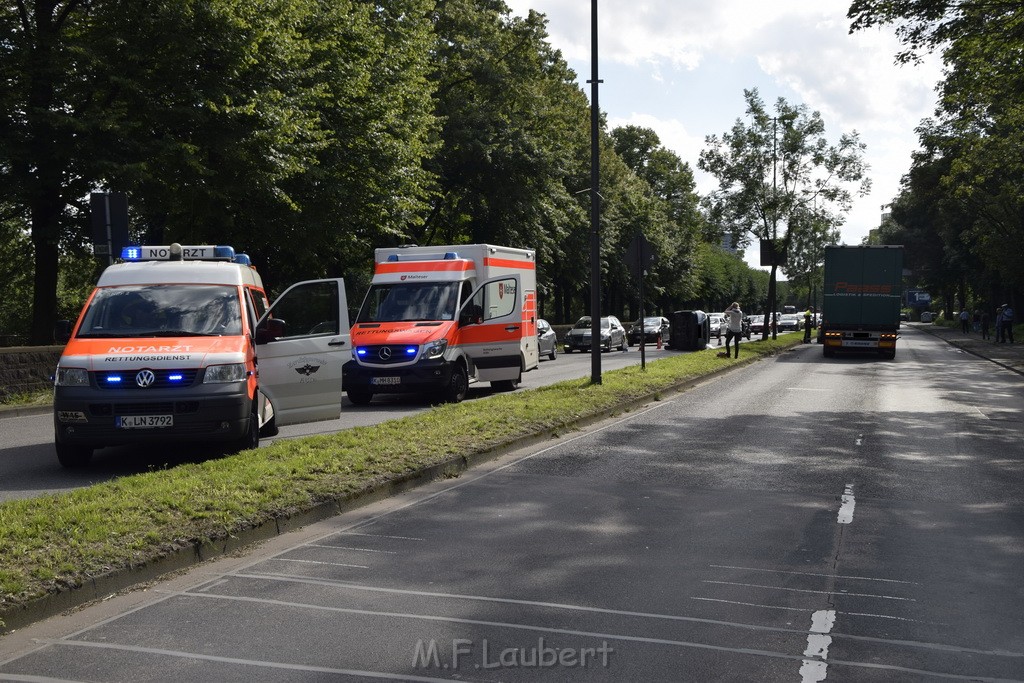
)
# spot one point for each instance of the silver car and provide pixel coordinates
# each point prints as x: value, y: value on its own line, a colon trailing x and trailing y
x: 547, y: 342
x: 613, y: 335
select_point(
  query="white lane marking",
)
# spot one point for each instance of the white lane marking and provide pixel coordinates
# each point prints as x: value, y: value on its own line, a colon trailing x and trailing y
x: 806, y: 590
x: 814, y: 669
x: 846, y: 509
x: 345, y: 547
x: 833, y: 576
x: 333, y: 583
x: 400, y: 538
x: 245, y: 662
x: 751, y: 604
x: 332, y: 564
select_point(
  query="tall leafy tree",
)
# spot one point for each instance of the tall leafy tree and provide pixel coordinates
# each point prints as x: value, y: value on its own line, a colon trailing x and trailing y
x: 777, y: 167
x: 511, y: 126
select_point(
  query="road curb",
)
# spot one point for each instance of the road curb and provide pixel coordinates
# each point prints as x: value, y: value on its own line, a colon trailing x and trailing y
x: 189, y: 554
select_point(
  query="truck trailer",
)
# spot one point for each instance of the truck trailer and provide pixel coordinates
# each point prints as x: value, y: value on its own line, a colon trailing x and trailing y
x: 862, y: 299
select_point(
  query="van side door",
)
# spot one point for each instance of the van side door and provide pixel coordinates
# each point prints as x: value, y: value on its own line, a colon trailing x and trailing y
x: 301, y: 343
x: 491, y: 329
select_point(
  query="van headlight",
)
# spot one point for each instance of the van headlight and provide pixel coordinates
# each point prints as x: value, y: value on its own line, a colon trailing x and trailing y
x: 221, y: 374
x: 71, y: 377
x: 435, y: 349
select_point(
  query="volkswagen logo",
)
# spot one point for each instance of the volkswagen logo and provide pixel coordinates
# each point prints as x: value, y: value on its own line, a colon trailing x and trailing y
x: 145, y: 378
x: 384, y: 353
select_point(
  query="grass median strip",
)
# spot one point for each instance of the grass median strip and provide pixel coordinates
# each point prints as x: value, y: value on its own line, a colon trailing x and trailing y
x: 57, y: 542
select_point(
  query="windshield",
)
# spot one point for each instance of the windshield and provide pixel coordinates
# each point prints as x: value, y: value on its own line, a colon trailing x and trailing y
x: 656, y: 322
x: 163, y: 311
x: 407, y: 302
x: 582, y: 324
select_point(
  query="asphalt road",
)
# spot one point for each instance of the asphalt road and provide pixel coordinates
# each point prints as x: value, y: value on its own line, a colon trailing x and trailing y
x: 28, y: 464
x: 800, y: 520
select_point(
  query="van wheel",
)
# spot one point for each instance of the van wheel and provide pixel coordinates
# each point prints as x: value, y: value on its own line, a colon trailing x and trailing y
x: 248, y: 441
x: 360, y: 397
x: 508, y: 384
x: 73, y: 456
x: 271, y: 428
x: 458, y: 385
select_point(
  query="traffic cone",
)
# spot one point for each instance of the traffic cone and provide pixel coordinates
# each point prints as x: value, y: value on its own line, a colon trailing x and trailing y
x: 659, y: 341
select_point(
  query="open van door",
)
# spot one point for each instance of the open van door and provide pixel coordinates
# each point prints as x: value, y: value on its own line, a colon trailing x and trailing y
x: 302, y: 341
x: 492, y: 329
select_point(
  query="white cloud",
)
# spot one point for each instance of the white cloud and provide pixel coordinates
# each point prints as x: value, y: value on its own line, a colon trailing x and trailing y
x: 680, y: 68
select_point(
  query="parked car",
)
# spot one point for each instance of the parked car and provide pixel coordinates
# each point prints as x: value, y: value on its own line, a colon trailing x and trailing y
x: 613, y: 335
x: 718, y: 325
x: 791, y: 322
x: 652, y: 327
x: 547, y: 342
x: 927, y: 317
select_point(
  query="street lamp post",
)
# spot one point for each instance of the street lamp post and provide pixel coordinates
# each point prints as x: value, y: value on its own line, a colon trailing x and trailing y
x: 595, y: 208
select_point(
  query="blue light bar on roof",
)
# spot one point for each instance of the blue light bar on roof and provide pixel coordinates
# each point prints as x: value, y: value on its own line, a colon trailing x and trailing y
x: 175, y: 252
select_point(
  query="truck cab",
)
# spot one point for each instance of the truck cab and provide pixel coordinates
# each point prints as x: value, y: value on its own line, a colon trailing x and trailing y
x: 179, y: 344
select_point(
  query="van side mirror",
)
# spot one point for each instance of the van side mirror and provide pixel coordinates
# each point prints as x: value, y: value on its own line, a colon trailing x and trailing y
x: 270, y: 330
x: 62, y: 331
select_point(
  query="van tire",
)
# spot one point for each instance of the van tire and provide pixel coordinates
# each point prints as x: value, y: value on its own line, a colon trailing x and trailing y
x: 359, y: 397
x: 248, y: 441
x: 270, y: 428
x: 458, y: 385
x: 73, y: 456
x: 508, y: 384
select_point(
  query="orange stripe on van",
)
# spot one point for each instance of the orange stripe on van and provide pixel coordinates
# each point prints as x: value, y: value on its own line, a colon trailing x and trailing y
x: 424, y: 266
x: 509, y: 263
x: 482, y: 334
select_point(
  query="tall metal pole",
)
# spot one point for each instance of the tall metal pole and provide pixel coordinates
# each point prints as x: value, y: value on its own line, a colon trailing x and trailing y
x: 595, y: 207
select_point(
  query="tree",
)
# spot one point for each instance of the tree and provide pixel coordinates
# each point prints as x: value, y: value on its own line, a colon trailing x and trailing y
x: 778, y: 168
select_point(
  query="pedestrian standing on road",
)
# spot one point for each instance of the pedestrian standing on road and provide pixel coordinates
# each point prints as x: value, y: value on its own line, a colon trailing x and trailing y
x: 734, y: 317
x: 1008, y: 323
x: 984, y: 325
x: 965, y: 321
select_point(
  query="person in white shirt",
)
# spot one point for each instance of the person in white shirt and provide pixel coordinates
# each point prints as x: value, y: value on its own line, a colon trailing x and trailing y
x: 734, y: 318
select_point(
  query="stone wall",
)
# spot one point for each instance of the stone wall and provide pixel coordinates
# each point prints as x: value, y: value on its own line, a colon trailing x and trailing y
x: 27, y: 368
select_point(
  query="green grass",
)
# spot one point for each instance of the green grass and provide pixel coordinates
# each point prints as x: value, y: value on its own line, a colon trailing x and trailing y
x: 27, y: 398
x: 56, y: 542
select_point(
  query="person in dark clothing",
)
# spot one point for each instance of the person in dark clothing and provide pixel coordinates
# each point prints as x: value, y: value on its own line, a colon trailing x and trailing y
x: 984, y: 325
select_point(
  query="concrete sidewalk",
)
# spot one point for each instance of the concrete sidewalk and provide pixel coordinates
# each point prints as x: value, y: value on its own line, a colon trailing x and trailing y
x: 1010, y: 356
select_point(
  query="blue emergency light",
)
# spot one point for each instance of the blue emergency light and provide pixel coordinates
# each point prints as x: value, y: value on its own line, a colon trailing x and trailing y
x: 179, y: 252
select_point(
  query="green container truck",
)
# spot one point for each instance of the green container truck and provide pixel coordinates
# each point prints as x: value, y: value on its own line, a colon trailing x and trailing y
x: 863, y: 296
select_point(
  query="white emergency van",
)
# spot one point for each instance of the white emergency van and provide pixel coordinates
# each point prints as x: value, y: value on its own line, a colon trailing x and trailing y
x: 437, y: 319
x: 179, y: 344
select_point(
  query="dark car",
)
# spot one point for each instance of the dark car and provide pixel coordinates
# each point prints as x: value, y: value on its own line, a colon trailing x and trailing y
x: 691, y: 330
x: 652, y: 328
x: 547, y: 342
x: 613, y: 335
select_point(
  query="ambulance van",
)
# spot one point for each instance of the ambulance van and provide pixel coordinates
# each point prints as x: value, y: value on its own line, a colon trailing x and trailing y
x: 178, y: 344
x: 437, y: 319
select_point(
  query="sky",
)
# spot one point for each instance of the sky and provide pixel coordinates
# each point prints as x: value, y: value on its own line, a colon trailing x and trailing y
x: 680, y: 67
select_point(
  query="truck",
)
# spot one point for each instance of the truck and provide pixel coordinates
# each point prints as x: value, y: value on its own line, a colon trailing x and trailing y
x: 179, y: 343
x: 437, y: 319
x: 862, y: 299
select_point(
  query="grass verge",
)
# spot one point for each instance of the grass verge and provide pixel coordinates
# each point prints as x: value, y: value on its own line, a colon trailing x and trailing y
x: 58, y: 542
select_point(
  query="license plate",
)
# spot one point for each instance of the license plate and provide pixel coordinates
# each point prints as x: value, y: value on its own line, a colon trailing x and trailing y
x: 385, y: 380
x: 144, y: 421
x: 849, y: 342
